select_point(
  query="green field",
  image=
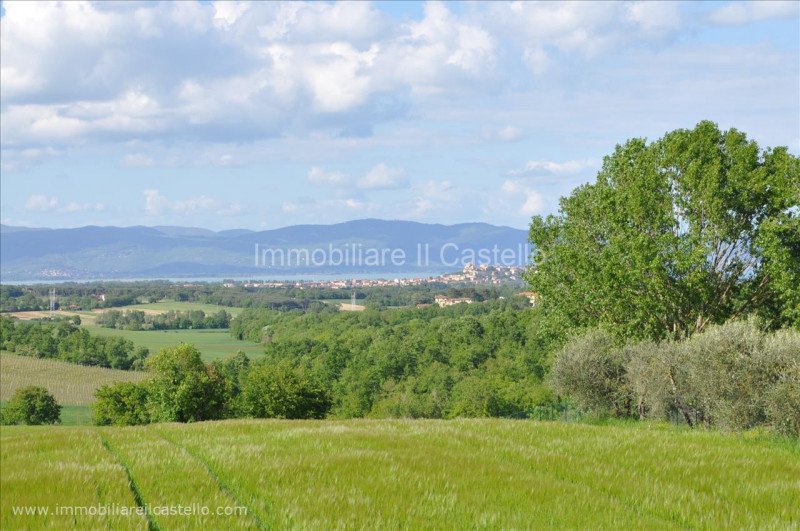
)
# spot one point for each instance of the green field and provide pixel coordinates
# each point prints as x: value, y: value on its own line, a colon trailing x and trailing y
x: 212, y: 344
x: 69, y: 383
x: 403, y: 473
x: 165, y: 306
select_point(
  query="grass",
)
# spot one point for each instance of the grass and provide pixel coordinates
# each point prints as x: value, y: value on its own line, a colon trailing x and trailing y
x: 76, y: 416
x: 212, y: 344
x: 410, y: 474
x: 69, y: 383
x: 167, y: 305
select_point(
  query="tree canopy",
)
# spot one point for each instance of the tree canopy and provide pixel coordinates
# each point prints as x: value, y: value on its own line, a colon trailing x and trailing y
x: 694, y: 228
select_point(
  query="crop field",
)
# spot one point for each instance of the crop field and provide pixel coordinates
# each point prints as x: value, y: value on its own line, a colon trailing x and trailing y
x: 402, y: 473
x: 212, y: 344
x: 165, y: 306
x: 69, y: 383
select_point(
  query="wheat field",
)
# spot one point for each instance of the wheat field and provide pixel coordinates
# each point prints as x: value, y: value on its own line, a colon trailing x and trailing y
x: 69, y: 383
x: 409, y: 474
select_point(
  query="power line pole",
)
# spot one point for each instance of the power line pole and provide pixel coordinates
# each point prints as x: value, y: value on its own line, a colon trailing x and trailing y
x: 52, y: 302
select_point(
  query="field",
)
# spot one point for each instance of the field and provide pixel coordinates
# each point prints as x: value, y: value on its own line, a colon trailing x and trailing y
x: 212, y: 344
x: 70, y: 383
x: 165, y: 306
x: 403, y: 473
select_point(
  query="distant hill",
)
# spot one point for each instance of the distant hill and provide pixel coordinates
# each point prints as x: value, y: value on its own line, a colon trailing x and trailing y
x: 150, y: 252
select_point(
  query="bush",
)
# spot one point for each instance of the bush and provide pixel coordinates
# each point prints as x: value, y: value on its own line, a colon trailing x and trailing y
x: 278, y: 391
x: 32, y: 405
x: 782, y: 402
x: 121, y: 404
x: 590, y: 369
x: 734, y: 376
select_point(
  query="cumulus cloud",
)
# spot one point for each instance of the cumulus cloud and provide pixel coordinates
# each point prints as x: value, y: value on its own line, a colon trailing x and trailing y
x: 137, y: 160
x: 41, y: 203
x: 44, y: 203
x: 508, y: 133
x: 738, y: 13
x: 382, y: 177
x: 533, y: 202
x: 156, y: 204
x: 322, y: 177
x: 568, y: 167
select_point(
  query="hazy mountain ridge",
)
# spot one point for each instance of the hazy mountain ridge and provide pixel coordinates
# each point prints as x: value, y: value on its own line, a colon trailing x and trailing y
x: 139, y: 251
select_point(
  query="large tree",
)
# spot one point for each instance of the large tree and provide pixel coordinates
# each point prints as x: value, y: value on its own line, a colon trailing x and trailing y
x: 694, y: 228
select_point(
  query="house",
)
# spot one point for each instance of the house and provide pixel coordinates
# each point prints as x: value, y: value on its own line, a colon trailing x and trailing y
x: 531, y: 296
x: 443, y: 301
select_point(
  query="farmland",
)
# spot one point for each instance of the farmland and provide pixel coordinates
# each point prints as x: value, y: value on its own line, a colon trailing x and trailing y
x: 69, y: 383
x: 403, y: 473
x: 212, y: 343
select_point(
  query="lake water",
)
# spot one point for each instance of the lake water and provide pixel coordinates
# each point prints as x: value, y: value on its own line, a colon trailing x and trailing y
x: 281, y: 278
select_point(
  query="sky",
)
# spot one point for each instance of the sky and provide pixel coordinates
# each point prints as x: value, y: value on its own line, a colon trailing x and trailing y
x: 234, y: 115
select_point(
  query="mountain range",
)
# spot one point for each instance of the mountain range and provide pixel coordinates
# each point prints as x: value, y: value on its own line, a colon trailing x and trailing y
x: 361, y: 246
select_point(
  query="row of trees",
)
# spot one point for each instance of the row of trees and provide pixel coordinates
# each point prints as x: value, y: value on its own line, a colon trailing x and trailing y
x: 484, y: 359
x: 67, y: 341
x: 734, y: 376
x: 661, y: 258
x: 184, y: 389
x: 171, y: 320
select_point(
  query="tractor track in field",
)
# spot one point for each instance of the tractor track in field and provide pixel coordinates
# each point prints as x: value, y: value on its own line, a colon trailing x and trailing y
x: 223, y: 486
x: 132, y: 485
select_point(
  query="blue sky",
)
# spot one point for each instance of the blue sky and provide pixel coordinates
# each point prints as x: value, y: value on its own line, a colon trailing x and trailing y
x: 230, y: 115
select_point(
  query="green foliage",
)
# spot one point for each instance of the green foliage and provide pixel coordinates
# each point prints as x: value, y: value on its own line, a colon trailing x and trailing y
x: 169, y: 320
x: 590, y: 369
x: 693, y: 229
x: 279, y: 391
x: 735, y: 376
x: 183, y: 388
x: 31, y: 405
x: 411, y: 362
x: 67, y: 341
x: 121, y: 404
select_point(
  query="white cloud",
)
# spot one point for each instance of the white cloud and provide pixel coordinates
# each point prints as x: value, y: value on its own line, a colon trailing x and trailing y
x: 513, y: 190
x: 738, y: 13
x: 137, y: 160
x: 155, y: 203
x: 44, y: 203
x: 41, y: 203
x: 320, y: 176
x: 382, y: 177
x: 74, y: 206
x: 569, y: 167
x: 227, y: 12
x: 508, y: 133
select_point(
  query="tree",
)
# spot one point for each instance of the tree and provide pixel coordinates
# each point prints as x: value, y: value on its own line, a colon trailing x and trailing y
x: 278, y: 391
x: 121, y: 404
x: 32, y: 405
x: 590, y: 369
x: 695, y: 228
x: 183, y: 388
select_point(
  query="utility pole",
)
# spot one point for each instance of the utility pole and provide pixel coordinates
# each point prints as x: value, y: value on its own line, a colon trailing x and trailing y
x: 52, y: 302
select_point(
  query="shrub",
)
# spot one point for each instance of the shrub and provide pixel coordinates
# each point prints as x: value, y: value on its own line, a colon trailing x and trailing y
x: 121, y: 404
x: 782, y: 401
x: 32, y: 405
x: 733, y: 376
x: 590, y: 369
x: 278, y: 391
